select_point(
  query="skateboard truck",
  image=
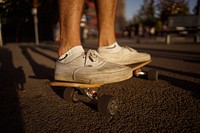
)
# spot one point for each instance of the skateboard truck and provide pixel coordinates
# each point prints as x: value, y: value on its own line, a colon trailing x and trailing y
x: 150, y: 74
x: 91, y: 93
x: 88, y: 93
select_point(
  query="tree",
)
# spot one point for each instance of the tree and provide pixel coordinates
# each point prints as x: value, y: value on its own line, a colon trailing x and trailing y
x: 196, y: 8
x: 147, y: 13
x: 15, y: 15
x: 17, y: 20
x: 168, y: 8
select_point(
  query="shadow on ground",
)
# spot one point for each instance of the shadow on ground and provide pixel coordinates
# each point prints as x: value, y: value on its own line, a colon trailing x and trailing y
x: 11, y: 82
x: 194, y: 88
x: 40, y: 71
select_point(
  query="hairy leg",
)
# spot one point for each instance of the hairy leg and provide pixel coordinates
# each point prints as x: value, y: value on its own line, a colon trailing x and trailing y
x: 106, y: 20
x: 70, y: 16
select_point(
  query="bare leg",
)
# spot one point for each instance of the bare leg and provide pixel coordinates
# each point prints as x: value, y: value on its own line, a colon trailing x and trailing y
x: 115, y: 54
x: 106, y: 21
x: 70, y: 16
x: 74, y: 66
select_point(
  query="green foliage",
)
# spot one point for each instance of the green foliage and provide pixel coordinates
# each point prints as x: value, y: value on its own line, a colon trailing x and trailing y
x: 17, y: 19
x: 147, y: 14
x: 196, y: 8
x: 159, y: 25
x: 15, y: 11
x: 168, y: 8
x: 153, y: 11
x: 15, y: 15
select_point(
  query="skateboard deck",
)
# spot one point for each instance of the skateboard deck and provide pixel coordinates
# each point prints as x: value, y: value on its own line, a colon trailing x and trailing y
x: 73, y: 84
x: 139, y: 65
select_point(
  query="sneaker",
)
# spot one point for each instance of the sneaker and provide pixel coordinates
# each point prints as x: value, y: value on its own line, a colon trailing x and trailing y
x: 89, y: 68
x: 122, y: 55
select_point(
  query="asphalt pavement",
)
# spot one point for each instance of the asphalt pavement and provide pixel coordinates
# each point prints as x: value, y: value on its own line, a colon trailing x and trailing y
x: 170, y: 104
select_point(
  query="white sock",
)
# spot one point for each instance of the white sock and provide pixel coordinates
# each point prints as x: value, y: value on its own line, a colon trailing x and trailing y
x: 71, y: 54
x: 113, y: 48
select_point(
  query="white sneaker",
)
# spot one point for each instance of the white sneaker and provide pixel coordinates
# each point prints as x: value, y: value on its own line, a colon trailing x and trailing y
x: 122, y: 55
x: 89, y: 68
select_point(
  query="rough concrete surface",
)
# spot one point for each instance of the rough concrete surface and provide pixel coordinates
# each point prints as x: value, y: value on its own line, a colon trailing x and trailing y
x: 30, y: 105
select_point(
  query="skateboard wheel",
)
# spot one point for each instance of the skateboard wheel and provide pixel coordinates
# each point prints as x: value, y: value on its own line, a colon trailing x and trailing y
x: 107, y: 105
x: 152, y: 74
x: 69, y: 95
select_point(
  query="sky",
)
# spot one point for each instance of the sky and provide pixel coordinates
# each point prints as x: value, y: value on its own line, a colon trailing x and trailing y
x: 132, y: 7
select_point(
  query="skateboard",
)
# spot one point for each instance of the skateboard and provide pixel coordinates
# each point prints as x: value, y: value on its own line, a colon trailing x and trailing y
x: 106, y: 104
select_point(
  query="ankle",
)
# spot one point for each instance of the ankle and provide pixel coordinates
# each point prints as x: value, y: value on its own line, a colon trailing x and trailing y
x: 71, y: 54
x: 62, y: 51
x: 106, y: 40
x: 111, y: 48
x: 64, y: 47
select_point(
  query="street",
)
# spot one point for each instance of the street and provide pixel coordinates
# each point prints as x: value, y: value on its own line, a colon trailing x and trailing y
x: 30, y: 105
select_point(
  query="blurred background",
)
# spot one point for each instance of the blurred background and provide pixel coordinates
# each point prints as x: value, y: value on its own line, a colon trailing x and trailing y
x: 146, y: 18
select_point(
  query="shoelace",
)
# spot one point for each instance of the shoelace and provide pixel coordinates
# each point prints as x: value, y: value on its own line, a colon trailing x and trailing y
x: 93, y: 56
